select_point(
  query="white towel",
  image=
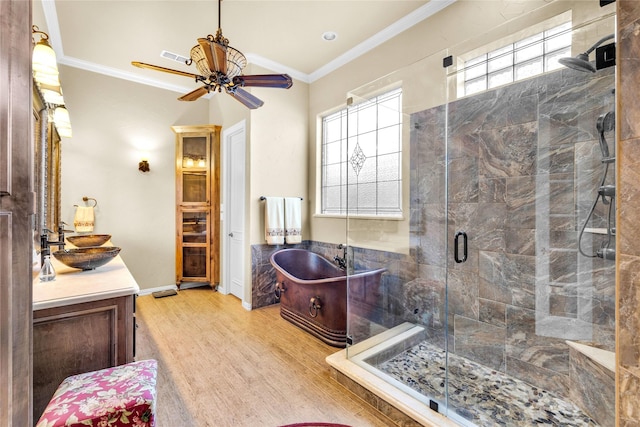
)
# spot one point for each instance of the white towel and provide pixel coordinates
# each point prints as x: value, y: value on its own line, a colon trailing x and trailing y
x: 274, y: 220
x: 293, y: 220
x: 84, y: 219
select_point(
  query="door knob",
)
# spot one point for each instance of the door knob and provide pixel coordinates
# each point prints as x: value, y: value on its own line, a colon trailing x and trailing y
x: 230, y: 234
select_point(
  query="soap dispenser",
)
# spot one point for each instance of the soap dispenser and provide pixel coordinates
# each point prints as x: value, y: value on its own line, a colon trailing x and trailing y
x: 47, y: 272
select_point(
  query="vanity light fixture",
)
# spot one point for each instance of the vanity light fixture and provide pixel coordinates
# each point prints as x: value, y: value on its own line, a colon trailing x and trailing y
x: 62, y: 122
x: 46, y: 79
x: 43, y: 58
x: 52, y: 94
x: 143, y: 166
x: 46, y: 76
x: 188, y: 162
x: 202, y: 163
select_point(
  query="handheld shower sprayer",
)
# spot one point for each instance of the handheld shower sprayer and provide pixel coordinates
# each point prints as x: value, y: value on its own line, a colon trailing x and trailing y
x: 605, y: 123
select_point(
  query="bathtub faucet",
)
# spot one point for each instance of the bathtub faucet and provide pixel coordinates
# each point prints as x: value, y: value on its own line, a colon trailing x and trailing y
x: 342, y: 262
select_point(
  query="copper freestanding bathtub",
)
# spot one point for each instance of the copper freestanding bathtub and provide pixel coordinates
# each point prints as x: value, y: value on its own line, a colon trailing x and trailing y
x: 313, y: 292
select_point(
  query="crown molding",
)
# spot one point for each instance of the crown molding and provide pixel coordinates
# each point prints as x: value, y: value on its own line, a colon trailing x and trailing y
x: 403, y: 24
x: 417, y: 16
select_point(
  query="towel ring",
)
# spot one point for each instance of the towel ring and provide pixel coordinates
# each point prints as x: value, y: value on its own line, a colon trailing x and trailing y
x: 86, y: 199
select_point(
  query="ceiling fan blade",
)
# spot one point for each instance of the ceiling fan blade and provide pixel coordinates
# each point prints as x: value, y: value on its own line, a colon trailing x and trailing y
x: 166, y: 70
x: 219, y: 57
x: 246, y: 98
x: 282, y: 81
x: 205, y: 45
x: 194, y: 94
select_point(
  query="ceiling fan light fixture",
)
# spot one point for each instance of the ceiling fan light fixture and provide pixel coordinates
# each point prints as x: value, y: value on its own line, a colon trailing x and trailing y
x: 236, y: 61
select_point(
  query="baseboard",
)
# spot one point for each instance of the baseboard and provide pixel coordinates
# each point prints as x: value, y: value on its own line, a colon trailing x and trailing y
x: 149, y: 291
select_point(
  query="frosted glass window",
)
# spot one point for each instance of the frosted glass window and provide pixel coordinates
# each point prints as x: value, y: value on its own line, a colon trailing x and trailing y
x: 529, y: 69
x: 500, y: 58
x: 552, y: 59
x: 362, y: 158
x: 474, y: 86
x: 501, y: 77
x: 528, y: 48
x: 475, y: 68
x: 520, y: 60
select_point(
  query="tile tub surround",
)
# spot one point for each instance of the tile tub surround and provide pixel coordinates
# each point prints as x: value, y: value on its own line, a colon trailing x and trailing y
x: 263, y: 275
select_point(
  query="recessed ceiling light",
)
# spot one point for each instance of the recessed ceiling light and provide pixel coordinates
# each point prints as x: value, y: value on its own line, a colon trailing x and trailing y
x: 329, y: 36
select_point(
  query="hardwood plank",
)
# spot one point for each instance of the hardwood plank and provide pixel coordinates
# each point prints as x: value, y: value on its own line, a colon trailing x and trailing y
x: 220, y: 365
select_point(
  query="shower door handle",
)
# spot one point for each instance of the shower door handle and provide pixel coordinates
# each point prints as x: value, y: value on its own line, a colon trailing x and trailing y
x: 456, y: 247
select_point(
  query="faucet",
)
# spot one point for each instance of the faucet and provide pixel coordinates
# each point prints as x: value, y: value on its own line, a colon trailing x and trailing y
x: 342, y: 262
x: 45, y: 243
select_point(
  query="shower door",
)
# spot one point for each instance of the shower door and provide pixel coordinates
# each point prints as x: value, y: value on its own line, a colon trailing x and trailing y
x: 500, y: 272
x: 530, y: 291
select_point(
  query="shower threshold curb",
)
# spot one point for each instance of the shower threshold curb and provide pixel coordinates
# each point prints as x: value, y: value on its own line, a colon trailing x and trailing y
x: 401, y: 401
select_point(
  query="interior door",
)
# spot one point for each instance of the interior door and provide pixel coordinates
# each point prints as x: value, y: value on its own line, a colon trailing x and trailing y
x: 235, y: 218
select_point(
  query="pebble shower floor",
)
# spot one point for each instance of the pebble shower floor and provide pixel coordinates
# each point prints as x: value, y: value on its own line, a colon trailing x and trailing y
x: 478, y: 394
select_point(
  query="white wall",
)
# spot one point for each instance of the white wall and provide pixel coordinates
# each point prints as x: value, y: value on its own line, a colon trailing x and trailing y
x: 115, y: 123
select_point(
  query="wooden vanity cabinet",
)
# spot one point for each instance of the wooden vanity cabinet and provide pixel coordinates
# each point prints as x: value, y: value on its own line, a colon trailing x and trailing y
x: 197, y: 204
x: 73, y: 339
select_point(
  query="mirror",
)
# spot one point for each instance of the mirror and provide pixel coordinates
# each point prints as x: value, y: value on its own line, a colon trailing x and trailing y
x: 47, y: 179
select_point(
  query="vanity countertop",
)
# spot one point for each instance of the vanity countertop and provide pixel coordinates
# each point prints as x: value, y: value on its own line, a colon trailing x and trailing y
x: 73, y: 286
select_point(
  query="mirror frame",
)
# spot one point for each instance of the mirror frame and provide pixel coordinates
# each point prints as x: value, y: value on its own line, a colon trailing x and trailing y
x: 47, y: 173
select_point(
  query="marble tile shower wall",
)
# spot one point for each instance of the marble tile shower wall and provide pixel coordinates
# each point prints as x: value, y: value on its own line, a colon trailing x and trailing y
x: 524, y: 168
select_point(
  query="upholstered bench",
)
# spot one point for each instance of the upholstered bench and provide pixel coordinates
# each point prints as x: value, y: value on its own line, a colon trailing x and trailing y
x: 124, y: 395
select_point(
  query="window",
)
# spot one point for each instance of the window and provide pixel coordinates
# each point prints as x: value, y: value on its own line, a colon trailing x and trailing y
x: 362, y: 158
x: 520, y: 60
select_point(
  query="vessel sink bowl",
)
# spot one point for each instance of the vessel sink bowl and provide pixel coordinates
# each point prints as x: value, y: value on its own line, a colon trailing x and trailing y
x: 87, y: 258
x: 87, y: 240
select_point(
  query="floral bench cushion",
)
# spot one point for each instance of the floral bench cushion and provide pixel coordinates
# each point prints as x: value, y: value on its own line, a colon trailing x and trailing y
x: 120, y: 396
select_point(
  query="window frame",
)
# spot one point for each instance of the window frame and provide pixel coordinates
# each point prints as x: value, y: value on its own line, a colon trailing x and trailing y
x: 478, y: 67
x: 346, y: 165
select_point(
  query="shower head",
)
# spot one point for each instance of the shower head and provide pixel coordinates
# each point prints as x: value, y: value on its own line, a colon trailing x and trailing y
x: 581, y: 61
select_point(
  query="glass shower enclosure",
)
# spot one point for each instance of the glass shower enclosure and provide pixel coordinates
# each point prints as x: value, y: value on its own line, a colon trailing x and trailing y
x: 498, y: 303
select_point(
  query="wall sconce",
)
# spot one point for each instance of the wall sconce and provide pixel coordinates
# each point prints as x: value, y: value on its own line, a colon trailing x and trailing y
x: 188, y: 162
x: 43, y: 58
x: 52, y: 94
x: 62, y: 122
x: 143, y: 166
x: 202, y: 163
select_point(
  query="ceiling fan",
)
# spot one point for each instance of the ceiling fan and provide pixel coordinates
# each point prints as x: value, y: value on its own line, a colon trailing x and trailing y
x: 220, y: 67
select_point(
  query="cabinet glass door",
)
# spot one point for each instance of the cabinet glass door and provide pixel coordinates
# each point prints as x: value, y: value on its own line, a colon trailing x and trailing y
x: 195, y: 244
x: 194, y: 262
x: 195, y: 165
x: 194, y: 227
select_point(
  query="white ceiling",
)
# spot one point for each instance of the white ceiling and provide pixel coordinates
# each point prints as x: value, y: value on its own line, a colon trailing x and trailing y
x: 284, y: 36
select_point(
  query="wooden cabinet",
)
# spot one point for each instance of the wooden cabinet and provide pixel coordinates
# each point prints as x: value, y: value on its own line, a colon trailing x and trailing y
x: 197, y: 204
x: 78, y: 338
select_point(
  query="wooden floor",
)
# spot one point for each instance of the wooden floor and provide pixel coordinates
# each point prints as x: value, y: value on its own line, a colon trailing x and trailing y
x: 221, y: 365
